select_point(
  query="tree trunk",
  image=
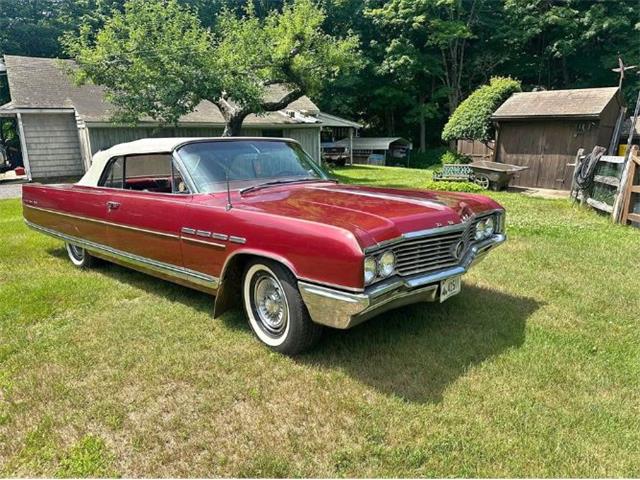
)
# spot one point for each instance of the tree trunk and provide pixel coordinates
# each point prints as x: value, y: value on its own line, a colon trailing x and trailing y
x: 233, y: 125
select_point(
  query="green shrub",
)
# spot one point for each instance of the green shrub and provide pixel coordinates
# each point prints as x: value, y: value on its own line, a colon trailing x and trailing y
x: 453, y: 157
x: 426, y: 159
x: 472, y: 119
x: 453, y: 186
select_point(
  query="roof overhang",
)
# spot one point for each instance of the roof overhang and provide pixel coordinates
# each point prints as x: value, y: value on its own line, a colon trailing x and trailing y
x: 502, y: 118
x: 277, y: 126
x: 329, y: 120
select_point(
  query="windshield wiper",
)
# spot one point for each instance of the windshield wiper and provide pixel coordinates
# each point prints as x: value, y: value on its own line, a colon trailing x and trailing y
x: 281, y: 182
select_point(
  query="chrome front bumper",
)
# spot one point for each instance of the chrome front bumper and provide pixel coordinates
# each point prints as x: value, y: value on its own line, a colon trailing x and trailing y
x: 339, y: 309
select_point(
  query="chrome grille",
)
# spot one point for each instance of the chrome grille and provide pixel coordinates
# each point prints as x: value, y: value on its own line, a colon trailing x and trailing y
x: 429, y: 253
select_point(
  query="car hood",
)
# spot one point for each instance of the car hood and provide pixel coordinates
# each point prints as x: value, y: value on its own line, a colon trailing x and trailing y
x: 372, y: 214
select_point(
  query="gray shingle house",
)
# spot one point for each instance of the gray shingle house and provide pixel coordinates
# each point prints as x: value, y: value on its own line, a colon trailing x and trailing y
x: 61, y: 125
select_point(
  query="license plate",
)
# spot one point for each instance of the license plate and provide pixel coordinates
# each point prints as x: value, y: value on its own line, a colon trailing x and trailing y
x: 449, y: 288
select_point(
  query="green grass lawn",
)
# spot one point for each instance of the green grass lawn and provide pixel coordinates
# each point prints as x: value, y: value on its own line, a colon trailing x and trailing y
x: 533, y: 370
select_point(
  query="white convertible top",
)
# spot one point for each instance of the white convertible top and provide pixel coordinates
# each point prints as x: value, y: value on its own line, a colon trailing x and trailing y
x: 146, y: 146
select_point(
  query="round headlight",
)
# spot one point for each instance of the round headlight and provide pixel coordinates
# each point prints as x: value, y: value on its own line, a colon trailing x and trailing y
x: 370, y: 270
x: 480, y: 226
x: 489, y: 227
x: 387, y: 263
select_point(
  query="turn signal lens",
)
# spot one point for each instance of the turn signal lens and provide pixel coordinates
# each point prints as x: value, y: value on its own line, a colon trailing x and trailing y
x: 387, y: 263
x: 370, y: 270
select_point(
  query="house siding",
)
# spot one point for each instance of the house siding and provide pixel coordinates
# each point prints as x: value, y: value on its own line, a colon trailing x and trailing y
x: 309, y: 138
x: 102, y: 138
x: 53, y: 145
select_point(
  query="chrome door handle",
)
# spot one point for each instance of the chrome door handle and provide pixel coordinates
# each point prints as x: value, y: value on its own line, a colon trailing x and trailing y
x: 112, y: 205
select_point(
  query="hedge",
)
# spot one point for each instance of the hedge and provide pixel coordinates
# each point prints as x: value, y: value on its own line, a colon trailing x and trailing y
x: 472, y: 119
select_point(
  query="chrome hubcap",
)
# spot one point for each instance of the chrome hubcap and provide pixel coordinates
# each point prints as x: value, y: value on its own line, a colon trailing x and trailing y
x: 270, y: 304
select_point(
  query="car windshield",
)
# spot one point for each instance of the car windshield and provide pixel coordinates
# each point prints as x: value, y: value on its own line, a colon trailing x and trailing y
x: 247, y: 163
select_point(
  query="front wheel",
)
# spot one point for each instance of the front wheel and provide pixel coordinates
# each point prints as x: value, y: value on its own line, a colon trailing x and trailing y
x: 276, y: 311
x: 80, y: 257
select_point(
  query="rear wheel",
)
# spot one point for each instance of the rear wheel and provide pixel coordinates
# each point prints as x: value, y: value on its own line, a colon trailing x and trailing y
x: 80, y: 257
x: 276, y: 311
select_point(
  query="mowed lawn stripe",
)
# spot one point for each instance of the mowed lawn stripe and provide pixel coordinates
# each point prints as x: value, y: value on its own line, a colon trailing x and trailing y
x: 533, y: 370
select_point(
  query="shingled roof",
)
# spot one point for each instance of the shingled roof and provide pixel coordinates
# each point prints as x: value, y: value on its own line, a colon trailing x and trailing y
x: 578, y: 103
x: 43, y: 83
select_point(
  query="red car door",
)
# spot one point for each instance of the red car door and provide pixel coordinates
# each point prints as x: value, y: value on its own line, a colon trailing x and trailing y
x: 144, y: 217
x: 146, y: 224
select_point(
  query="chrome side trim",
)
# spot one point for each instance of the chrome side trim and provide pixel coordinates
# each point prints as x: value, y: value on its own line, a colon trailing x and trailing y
x: 203, y: 233
x: 204, y: 242
x: 103, y: 222
x: 188, y: 231
x: 220, y: 236
x: 198, y: 278
x: 240, y: 240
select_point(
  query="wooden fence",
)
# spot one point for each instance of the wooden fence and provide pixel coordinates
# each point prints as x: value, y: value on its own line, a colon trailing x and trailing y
x: 476, y: 150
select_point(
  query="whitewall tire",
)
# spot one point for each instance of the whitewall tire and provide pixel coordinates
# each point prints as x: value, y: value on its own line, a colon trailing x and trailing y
x: 276, y: 312
x: 79, y: 256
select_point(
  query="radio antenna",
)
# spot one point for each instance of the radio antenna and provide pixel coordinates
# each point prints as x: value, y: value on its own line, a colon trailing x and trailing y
x: 229, y: 205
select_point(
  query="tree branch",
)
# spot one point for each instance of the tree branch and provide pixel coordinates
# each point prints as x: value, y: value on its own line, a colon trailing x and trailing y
x: 292, y: 96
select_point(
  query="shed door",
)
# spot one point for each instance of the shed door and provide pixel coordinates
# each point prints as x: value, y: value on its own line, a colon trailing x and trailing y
x: 522, y: 144
x: 547, y: 148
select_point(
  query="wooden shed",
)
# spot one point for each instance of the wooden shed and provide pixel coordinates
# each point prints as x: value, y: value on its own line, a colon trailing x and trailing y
x: 544, y: 130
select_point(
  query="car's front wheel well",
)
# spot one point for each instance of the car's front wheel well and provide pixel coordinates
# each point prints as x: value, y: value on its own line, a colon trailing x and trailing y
x: 229, y: 294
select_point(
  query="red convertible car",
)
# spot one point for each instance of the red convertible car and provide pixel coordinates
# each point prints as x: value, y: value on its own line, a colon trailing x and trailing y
x: 257, y: 223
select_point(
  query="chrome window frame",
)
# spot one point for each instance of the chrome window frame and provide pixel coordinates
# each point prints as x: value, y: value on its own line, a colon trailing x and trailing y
x: 176, y: 165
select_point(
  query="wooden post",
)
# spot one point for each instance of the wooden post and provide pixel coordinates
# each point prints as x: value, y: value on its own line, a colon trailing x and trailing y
x: 576, y: 165
x: 617, y: 206
x: 629, y: 188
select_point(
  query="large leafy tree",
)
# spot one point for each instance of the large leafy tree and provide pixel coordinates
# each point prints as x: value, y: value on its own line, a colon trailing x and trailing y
x: 426, y: 52
x: 571, y: 44
x: 156, y: 59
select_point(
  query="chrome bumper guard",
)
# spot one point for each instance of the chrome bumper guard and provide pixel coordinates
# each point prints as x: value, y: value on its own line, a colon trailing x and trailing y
x: 340, y: 309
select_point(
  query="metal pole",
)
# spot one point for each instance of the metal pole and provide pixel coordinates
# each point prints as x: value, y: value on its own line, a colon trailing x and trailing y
x: 23, y: 146
x: 350, y: 145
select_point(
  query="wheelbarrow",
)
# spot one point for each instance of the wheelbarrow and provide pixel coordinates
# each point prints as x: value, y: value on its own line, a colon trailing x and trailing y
x: 494, y: 175
x: 484, y: 173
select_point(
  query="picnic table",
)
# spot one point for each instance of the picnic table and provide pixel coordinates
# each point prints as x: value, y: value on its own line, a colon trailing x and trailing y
x: 487, y: 174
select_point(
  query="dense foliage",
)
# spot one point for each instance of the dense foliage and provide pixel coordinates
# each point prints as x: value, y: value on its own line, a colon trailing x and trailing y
x: 419, y: 59
x: 157, y: 59
x: 450, y: 157
x: 472, y: 119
